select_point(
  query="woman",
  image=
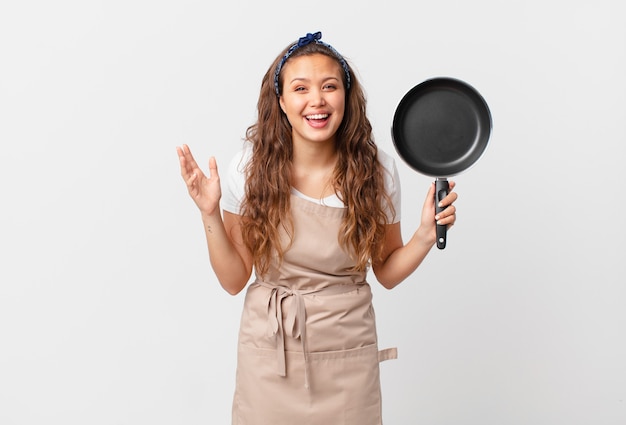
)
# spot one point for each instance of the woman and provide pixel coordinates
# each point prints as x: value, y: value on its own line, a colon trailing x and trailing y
x: 311, y: 204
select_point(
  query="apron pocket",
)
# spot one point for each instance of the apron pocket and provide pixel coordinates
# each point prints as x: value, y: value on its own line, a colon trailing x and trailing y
x: 344, y: 388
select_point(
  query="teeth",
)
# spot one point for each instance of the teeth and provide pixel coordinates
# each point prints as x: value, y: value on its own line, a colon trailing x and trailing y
x: 317, y: 117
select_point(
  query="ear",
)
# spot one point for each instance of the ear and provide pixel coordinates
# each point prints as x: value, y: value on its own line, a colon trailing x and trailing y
x: 281, y: 102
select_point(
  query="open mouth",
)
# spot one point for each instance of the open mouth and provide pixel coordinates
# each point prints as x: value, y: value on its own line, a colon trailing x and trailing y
x: 317, y: 117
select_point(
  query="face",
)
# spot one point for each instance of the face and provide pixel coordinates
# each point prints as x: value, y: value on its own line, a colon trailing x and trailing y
x: 313, y: 98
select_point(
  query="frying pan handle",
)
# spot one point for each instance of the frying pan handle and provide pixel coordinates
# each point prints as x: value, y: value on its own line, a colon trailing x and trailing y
x: 441, y: 191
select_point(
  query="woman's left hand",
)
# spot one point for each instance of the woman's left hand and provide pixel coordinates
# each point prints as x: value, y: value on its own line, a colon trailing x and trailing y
x: 446, y: 217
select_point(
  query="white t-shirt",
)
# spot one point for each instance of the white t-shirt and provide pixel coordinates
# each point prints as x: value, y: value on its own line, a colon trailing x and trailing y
x: 236, y: 180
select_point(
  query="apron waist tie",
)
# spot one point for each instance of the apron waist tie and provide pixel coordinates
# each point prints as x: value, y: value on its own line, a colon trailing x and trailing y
x: 295, y: 323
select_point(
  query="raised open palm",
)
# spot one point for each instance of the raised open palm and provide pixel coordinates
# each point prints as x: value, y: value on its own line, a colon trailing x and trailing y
x: 205, y: 191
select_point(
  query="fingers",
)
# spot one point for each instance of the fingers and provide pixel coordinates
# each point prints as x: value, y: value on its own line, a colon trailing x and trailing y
x: 430, y: 197
x: 451, y: 197
x: 188, y: 155
x: 191, y: 179
x: 448, y: 215
x: 213, y: 168
x: 189, y: 168
x: 185, y: 156
x: 186, y: 169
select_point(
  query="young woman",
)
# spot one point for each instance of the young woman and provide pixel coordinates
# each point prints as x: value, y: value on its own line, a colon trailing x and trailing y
x: 310, y: 205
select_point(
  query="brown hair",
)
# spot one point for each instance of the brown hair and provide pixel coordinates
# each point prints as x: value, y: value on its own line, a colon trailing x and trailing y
x: 358, y: 176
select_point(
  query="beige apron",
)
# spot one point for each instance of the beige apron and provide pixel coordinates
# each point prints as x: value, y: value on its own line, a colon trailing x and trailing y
x: 308, y: 352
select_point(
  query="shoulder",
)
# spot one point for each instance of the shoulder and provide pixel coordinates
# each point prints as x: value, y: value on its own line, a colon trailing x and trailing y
x: 392, y: 184
x: 386, y: 160
x: 234, y: 191
x: 240, y: 160
x: 390, y: 170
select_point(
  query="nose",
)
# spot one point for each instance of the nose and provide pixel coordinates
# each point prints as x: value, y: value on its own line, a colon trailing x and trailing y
x: 317, y: 97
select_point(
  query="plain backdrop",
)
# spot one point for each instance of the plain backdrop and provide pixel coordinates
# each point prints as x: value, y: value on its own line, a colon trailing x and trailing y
x: 109, y: 310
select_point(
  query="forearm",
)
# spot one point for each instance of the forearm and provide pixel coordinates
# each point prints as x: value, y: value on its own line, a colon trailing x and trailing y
x: 404, y: 260
x: 228, y: 264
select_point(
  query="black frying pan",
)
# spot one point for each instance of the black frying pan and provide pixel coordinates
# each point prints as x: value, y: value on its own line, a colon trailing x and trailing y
x: 440, y: 128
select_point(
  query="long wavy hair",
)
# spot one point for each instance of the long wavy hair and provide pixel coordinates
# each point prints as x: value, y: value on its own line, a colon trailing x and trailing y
x: 358, y: 178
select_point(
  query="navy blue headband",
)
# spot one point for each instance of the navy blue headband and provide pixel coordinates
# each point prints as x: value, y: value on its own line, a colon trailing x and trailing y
x: 303, y: 41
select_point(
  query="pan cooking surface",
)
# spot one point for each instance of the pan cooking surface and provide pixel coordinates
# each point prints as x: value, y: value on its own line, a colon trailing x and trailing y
x: 441, y: 127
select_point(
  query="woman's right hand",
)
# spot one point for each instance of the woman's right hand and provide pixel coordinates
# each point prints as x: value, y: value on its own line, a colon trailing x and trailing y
x: 205, y: 191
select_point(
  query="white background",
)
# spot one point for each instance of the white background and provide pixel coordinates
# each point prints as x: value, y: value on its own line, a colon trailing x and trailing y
x: 109, y: 311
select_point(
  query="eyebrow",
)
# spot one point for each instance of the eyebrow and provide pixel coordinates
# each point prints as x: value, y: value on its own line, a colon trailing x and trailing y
x: 307, y: 79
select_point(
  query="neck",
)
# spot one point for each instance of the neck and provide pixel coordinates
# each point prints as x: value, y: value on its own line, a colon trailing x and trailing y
x: 313, y: 167
x: 314, y: 156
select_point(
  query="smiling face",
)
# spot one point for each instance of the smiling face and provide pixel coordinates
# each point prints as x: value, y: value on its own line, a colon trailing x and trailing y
x: 313, y: 98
